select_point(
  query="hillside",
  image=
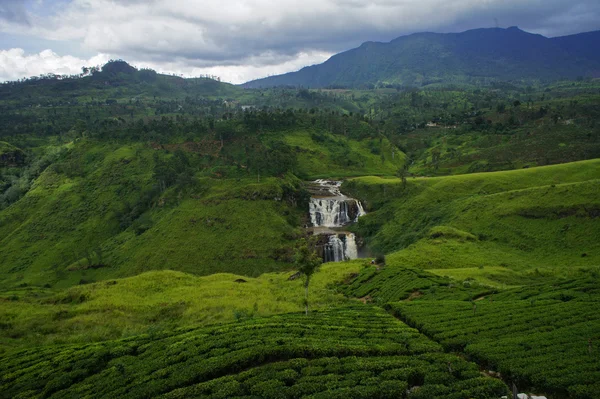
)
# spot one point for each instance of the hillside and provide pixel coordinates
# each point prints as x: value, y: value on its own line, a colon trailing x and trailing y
x: 149, y: 227
x: 156, y: 301
x: 116, y: 79
x: 104, y: 211
x: 501, y: 267
x: 474, y: 56
x: 501, y: 227
x: 358, y: 352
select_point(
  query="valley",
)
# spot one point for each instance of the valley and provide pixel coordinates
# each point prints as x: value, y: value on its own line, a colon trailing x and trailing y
x: 151, y: 229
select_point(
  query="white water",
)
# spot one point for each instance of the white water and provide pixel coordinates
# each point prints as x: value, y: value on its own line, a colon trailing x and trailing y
x: 361, y: 210
x: 331, y: 208
x: 351, y: 251
x: 340, y: 247
x: 328, y: 212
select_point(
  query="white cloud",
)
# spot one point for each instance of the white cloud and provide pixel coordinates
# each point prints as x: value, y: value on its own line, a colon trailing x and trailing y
x: 253, y: 38
x: 16, y: 64
x: 248, y: 69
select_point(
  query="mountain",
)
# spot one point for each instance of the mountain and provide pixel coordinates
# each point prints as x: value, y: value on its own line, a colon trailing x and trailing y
x: 115, y: 80
x: 473, y: 56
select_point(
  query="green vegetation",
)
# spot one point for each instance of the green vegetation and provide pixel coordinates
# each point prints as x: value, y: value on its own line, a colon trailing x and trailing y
x: 321, y: 155
x: 520, y: 221
x: 391, y: 284
x: 542, y: 344
x: 138, y: 211
x: 460, y: 243
x: 156, y: 301
x: 103, y: 211
x: 501, y: 267
x: 308, y: 262
x: 359, y: 351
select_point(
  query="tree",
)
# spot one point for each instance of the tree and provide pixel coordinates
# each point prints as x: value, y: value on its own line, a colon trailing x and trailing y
x: 402, y: 173
x: 308, y: 262
x: 435, y: 158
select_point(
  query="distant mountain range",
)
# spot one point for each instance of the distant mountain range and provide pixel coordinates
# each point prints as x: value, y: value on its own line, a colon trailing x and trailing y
x: 474, y: 56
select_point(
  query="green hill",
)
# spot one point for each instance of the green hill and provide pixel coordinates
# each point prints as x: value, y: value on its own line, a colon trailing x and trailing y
x: 104, y: 210
x: 358, y: 352
x: 156, y: 301
x: 148, y: 226
x: 500, y: 224
x: 115, y: 80
x: 100, y: 213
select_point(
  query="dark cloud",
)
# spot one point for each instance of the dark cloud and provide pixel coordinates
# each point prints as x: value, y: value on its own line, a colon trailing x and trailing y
x: 549, y: 18
x: 285, y: 29
x: 13, y: 11
x: 189, y: 34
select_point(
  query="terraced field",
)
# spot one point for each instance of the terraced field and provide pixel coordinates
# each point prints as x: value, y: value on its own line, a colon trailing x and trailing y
x: 393, y: 283
x: 358, y: 351
x: 549, y: 345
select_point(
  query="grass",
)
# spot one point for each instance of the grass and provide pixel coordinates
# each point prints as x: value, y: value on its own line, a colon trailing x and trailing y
x: 97, y: 214
x: 158, y: 300
x: 322, y: 155
x: 539, y: 218
x: 489, y: 276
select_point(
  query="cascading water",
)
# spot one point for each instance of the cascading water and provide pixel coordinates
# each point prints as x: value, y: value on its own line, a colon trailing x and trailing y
x: 328, y: 212
x: 335, y: 210
x: 340, y: 247
x: 329, y: 208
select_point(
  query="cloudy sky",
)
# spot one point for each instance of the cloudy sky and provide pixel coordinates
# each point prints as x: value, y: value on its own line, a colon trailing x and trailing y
x: 240, y: 40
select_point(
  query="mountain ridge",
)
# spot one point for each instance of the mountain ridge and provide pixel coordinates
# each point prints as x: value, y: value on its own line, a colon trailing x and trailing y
x: 473, y: 56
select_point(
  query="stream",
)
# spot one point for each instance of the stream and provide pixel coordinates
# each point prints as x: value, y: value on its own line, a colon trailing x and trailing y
x: 330, y: 211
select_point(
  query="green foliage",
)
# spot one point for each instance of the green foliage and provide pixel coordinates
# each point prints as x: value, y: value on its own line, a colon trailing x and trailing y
x: 325, y: 155
x: 144, y: 209
x: 394, y: 283
x: 155, y: 301
x: 306, y: 258
x: 546, y: 345
x: 308, y: 261
x: 516, y: 220
x: 358, y: 351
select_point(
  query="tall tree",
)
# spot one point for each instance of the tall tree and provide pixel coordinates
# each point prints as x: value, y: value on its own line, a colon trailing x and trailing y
x: 308, y: 262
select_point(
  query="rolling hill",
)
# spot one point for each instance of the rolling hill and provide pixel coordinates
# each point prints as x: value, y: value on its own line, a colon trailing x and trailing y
x: 148, y: 226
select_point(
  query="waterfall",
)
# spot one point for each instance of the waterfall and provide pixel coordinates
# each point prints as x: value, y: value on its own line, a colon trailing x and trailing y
x: 329, y: 212
x: 340, y: 247
x: 361, y: 211
x: 329, y: 208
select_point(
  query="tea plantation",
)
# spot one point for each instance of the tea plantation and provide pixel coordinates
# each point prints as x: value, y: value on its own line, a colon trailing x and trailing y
x: 399, y: 283
x: 148, y: 226
x: 549, y: 345
x: 543, y: 337
x: 357, y: 351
